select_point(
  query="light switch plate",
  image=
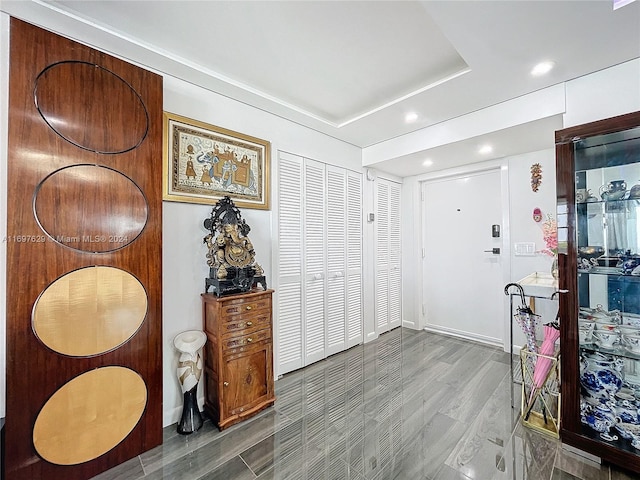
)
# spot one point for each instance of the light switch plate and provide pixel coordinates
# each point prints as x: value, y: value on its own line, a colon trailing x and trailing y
x: 523, y: 249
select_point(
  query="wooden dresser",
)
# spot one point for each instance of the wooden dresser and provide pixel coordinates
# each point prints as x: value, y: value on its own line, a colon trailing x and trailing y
x: 238, y: 356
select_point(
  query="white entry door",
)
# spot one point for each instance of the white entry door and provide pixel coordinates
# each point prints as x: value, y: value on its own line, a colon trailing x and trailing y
x: 462, y: 273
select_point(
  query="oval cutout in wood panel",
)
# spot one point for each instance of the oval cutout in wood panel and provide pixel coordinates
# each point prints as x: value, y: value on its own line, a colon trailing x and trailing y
x: 89, y: 415
x: 91, y: 208
x: 70, y: 98
x: 89, y: 311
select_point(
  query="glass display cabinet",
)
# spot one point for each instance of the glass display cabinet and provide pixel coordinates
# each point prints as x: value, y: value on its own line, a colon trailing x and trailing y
x: 598, y: 185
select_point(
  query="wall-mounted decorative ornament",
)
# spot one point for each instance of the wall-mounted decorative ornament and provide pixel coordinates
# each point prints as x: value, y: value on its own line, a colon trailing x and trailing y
x: 536, y: 176
x: 231, y: 258
x: 537, y: 215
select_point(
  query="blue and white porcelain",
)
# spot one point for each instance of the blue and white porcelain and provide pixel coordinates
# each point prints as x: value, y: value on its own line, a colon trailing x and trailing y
x: 627, y: 430
x: 601, y: 418
x: 627, y: 414
x: 601, y: 375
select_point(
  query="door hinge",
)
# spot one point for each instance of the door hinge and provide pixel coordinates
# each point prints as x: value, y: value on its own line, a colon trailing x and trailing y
x: 424, y: 253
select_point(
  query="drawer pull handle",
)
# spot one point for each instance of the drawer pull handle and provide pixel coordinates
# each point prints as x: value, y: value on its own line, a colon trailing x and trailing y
x: 249, y: 340
x: 249, y: 324
x: 248, y: 307
x: 226, y: 384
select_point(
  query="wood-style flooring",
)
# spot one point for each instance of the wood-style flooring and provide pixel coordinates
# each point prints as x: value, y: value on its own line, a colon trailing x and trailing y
x: 412, y: 405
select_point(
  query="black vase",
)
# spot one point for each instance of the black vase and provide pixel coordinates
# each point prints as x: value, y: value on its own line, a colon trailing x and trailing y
x: 191, y: 418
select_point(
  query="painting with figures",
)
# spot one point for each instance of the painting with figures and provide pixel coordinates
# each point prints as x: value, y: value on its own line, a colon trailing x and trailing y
x: 204, y: 163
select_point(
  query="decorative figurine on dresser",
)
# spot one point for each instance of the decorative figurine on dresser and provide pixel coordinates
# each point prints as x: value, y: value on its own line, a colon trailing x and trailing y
x: 237, y: 321
x: 231, y: 258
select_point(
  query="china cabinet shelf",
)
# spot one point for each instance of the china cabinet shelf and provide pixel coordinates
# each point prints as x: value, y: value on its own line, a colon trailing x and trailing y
x: 627, y: 201
x: 617, y: 351
x: 598, y: 182
x: 626, y: 276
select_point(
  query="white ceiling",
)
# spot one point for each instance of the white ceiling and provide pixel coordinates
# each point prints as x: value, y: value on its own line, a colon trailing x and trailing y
x: 352, y: 70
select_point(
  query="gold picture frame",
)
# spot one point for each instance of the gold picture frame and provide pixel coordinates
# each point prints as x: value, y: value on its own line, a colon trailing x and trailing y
x: 204, y: 163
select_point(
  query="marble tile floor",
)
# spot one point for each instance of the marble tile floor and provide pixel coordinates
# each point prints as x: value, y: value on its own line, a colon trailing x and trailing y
x: 412, y: 405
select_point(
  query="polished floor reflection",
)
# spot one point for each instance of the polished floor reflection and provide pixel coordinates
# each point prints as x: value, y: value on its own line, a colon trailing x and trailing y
x: 412, y: 405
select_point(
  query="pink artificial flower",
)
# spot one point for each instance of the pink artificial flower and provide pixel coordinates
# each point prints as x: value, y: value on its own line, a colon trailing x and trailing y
x: 550, y: 236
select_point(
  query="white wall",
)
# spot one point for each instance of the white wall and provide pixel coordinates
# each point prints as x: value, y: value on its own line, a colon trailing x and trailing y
x: 522, y: 202
x: 603, y: 94
x: 523, y: 228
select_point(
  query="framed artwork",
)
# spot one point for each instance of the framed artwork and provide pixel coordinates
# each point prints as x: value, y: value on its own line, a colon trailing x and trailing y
x: 204, y: 163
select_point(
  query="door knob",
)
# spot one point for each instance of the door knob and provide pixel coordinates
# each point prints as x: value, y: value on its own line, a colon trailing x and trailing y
x: 226, y: 384
x: 495, y: 251
x: 249, y: 324
x: 249, y: 340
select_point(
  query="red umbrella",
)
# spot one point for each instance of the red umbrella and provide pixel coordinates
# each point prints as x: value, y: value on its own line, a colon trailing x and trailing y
x: 544, y: 362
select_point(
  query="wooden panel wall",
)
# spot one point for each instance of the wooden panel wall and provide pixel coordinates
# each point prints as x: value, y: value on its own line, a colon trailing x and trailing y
x: 93, y: 110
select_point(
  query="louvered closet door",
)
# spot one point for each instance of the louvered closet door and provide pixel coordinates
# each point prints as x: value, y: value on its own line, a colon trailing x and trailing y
x: 290, y: 263
x: 382, y: 257
x: 395, y: 286
x: 314, y: 273
x: 336, y: 260
x: 388, y: 286
x: 319, y: 300
x: 354, y: 258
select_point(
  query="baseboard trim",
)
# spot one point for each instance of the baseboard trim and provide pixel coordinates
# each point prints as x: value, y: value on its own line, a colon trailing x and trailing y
x: 495, y: 342
x: 173, y: 416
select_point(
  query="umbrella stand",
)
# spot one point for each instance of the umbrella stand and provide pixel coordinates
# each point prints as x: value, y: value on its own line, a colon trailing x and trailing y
x: 546, y: 417
x: 543, y: 374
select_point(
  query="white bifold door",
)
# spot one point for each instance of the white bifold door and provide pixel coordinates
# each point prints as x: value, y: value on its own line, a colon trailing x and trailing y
x: 319, y: 261
x: 388, y: 287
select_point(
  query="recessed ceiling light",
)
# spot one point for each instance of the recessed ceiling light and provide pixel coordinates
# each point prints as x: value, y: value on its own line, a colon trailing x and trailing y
x: 621, y: 3
x: 542, y: 68
x: 428, y: 162
x: 485, y: 149
x: 411, y: 117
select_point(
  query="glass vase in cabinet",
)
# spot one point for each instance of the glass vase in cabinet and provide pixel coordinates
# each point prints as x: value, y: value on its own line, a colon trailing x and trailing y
x: 598, y: 186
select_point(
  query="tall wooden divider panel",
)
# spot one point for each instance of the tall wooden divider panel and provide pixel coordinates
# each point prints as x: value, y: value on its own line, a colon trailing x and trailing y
x: 84, y: 323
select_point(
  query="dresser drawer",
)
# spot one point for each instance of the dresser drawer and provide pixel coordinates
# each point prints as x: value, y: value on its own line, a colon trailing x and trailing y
x: 244, y: 324
x: 236, y: 341
x: 249, y: 305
